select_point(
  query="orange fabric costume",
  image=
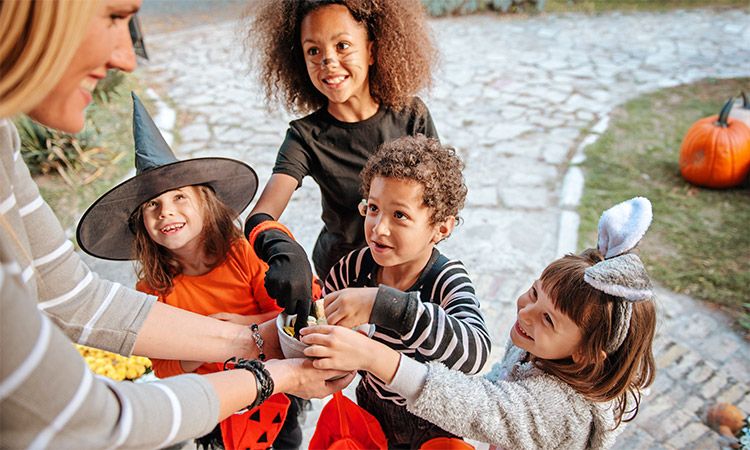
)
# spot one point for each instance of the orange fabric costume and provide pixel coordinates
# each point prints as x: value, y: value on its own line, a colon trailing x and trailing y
x: 234, y: 286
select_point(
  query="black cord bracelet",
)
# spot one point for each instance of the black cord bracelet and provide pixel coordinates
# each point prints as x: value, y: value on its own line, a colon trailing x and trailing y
x: 263, y: 380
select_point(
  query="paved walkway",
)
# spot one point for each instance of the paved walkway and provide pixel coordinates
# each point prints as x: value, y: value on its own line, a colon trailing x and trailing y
x: 513, y: 96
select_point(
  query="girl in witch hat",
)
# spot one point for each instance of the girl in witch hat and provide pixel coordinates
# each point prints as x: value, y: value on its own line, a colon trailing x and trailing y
x: 177, y: 220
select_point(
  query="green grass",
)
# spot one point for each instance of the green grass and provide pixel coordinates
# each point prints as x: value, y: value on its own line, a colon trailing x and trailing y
x: 440, y: 8
x: 594, y: 6
x: 114, y: 121
x: 699, y: 241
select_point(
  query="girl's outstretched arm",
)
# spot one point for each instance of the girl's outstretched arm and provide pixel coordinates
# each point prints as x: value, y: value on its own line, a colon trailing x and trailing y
x: 289, y: 277
x: 341, y: 348
x: 275, y: 195
x: 533, y: 410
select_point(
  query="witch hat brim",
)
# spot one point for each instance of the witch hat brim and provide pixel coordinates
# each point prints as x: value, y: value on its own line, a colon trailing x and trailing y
x: 104, y: 229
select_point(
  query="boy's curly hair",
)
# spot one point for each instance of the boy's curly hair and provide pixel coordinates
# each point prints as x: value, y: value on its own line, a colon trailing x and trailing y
x: 436, y: 167
x: 404, y: 50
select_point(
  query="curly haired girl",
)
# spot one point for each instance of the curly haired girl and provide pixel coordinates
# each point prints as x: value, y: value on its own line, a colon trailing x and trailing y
x: 422, y: 304
x: 400, y: 42
x: 354, y: 66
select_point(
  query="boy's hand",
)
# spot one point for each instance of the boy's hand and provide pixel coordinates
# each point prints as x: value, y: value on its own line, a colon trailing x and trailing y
x: 350, y: 307
x: 337, y: 347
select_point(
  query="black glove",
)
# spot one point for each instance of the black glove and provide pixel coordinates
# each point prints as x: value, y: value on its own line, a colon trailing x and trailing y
x: 289, y: 276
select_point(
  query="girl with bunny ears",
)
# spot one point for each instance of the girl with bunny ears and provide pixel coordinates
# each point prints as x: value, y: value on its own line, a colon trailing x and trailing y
x: 577, y: 358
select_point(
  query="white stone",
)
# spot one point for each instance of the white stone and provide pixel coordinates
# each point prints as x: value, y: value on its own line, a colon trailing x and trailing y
x: 568, y: 234
x: 601, y: 126
x: 524, y: 197
x: 234, y: 135
x: 195, y: 132
x: 572, y: 188
x: 506, y: 131
x: 481, y: 196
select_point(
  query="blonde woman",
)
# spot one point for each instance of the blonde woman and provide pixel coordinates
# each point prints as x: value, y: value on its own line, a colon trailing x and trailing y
x: 52, y: 54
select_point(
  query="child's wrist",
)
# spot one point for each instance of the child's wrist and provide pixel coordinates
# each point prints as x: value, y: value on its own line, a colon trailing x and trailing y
x: 382, y: 361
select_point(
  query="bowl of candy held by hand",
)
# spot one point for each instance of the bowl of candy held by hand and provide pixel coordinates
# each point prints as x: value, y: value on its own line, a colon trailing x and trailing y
x: 292, y: 347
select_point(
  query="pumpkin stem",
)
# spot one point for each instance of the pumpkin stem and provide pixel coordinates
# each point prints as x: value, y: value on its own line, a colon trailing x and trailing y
x: 745, y: 102
x: 724, y: 114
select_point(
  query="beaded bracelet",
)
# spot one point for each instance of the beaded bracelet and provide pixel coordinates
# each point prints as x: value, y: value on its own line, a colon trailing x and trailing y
x: 263, y: 380
x: 258, y: 341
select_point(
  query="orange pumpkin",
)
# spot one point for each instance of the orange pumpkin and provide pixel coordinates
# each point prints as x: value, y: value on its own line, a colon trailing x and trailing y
x: 716, y: 151
x: 446, y: 443
x: 725, y: 419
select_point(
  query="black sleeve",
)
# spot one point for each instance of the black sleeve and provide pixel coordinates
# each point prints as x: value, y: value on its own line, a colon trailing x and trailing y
x: 293, y: 158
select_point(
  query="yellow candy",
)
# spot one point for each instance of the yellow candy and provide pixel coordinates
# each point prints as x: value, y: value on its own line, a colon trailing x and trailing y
x: 113, y: 365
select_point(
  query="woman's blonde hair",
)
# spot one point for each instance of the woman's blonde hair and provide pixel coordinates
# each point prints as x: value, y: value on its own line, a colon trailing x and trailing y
x: 37, y: 41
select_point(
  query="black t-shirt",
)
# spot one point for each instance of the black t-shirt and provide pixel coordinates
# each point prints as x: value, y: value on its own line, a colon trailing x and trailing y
x: 333, y: 153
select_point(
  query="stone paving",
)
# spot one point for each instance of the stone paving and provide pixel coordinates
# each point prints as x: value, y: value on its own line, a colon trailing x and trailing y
x: 512, y: 95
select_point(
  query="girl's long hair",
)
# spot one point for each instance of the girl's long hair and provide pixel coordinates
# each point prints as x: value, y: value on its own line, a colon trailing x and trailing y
x: 37, y: 41
x: 158, y: 267
x: 621, y: 375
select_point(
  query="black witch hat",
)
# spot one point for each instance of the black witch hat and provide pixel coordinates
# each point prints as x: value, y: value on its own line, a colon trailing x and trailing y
x: 105, y: 230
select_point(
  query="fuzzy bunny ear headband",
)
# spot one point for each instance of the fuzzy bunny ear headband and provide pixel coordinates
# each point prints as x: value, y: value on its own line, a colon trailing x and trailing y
x: 622, y: 274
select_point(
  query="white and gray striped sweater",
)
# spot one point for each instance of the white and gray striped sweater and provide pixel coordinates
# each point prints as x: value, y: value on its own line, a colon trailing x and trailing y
x: 48, y: 396
x: 434, y: 320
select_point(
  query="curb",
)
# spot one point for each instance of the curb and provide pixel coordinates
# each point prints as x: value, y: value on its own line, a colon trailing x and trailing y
x: 572, y: 190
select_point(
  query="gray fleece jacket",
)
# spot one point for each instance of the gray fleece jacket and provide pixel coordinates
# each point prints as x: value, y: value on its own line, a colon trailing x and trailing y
x: 515, y: 406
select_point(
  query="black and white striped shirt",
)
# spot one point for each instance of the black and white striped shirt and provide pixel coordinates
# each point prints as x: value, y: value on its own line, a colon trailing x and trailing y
x: 436, y: 319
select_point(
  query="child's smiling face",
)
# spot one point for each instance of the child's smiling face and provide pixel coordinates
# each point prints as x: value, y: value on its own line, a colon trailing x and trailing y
x: 543, y: 330
x: 397, y: 224
x: 174, y: 221
x: 338, y: 55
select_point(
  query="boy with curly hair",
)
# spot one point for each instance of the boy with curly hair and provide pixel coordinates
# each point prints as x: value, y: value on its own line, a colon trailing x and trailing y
x: 421, y: 303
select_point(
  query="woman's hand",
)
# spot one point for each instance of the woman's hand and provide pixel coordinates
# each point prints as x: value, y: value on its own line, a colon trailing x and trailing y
x: 299, y: 377
x: 238, y: 388
x: 350, y: 307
